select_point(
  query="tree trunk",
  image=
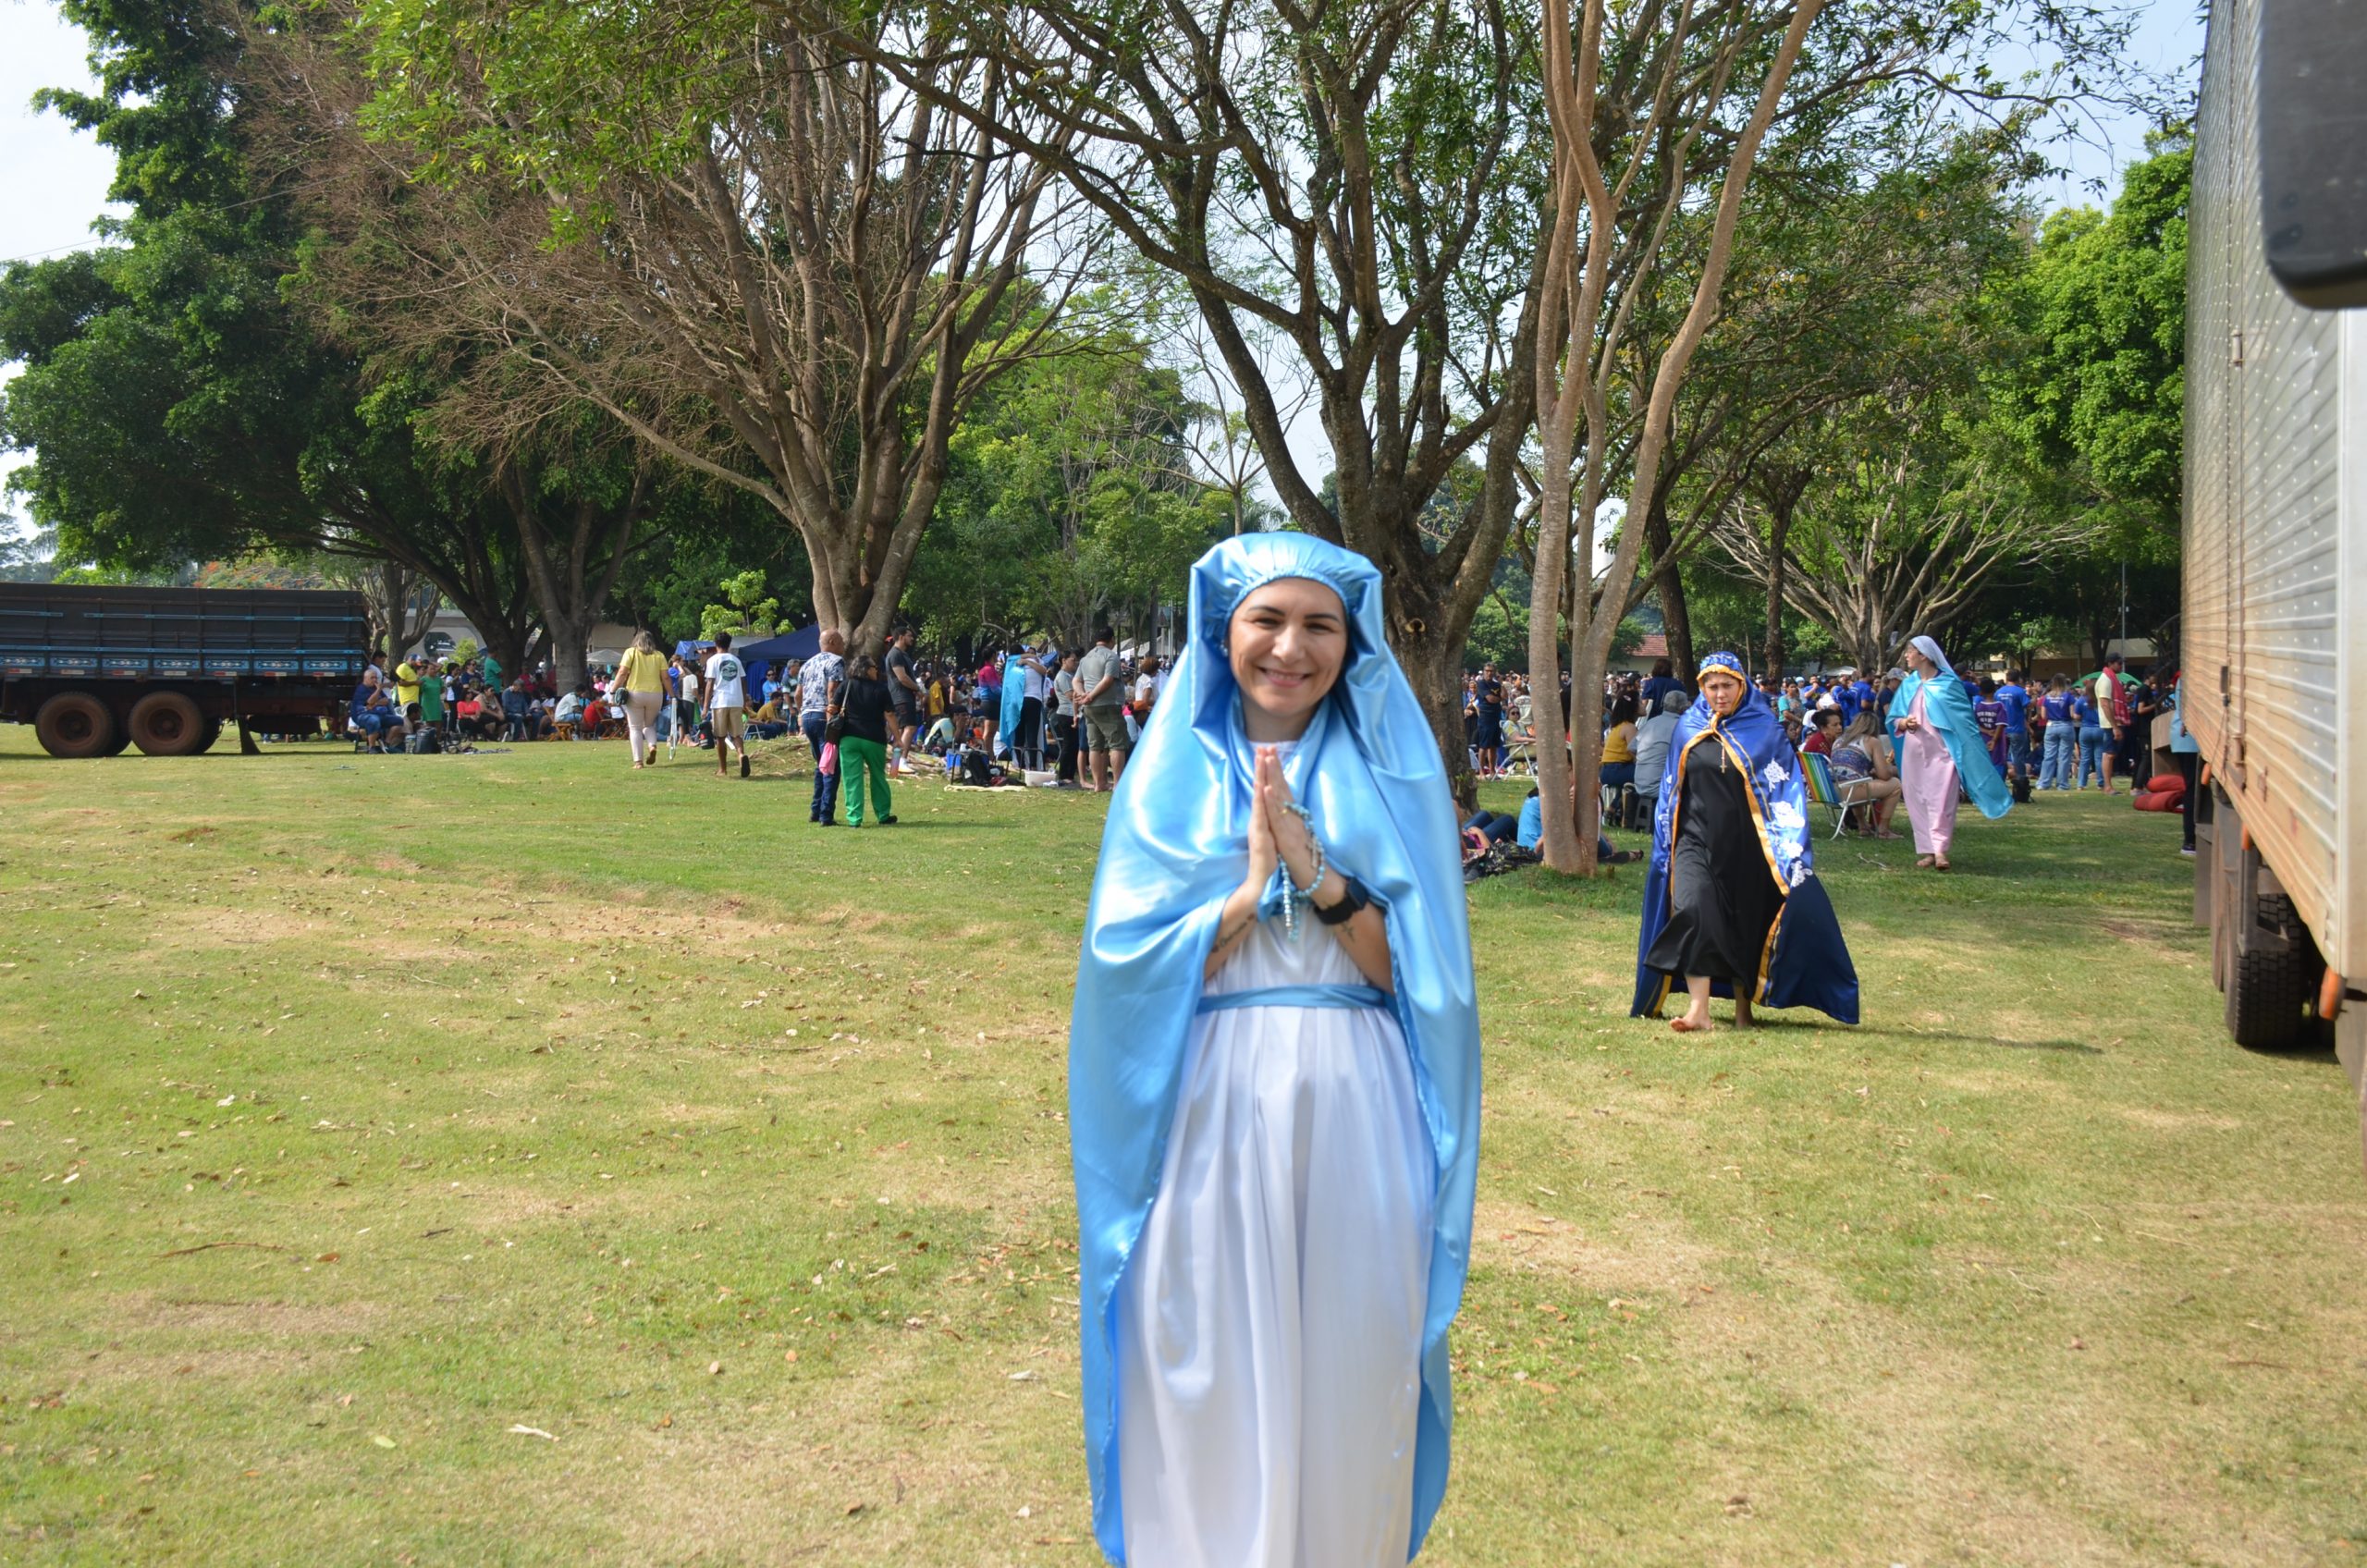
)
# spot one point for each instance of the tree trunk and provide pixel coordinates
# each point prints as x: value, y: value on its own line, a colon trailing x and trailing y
x: 1431, y: 657
x: 1781, y: 505
x: 574, y: 550
x: 1668, y: 584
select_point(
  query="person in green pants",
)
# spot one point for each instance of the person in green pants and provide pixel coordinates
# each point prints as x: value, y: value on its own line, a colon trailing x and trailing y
x: 865, y: 710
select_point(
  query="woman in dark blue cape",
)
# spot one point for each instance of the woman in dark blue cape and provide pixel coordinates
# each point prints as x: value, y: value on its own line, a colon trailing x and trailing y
x: 1732, y: 903
x: 1275, y: 1147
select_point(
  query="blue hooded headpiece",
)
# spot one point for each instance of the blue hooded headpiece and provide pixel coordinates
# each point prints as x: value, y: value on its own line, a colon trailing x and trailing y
x: 1947, y: 708
x: 1175, y: 848
x: 1806, y: 964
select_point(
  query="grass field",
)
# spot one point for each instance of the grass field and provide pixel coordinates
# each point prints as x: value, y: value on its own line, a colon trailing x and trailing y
x: 509, y: 1158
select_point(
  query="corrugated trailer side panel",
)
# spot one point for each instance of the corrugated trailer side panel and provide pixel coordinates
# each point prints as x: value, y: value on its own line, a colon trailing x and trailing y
x: 2212, y: 521
x: 2286, y: 745
x: 2267, y: 513
x: 2344, y: 943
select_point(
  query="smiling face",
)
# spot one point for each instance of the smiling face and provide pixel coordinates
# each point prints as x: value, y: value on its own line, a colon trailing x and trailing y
x: 1723, y: 688
x: 1289, y: 641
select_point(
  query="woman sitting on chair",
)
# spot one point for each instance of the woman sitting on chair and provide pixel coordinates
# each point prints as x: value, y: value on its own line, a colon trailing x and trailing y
x: 1619, y: 744
x: 1864, y: 774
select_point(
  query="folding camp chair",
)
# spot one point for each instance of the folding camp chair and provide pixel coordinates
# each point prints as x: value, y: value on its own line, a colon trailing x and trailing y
x: 1818, y: 772
x: 1520, y: 741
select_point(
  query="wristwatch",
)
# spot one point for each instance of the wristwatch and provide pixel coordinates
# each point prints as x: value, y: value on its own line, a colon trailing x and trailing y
x: 1342, y: 912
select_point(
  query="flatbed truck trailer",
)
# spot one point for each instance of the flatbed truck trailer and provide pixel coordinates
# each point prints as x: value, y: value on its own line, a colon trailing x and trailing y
x: 2273, y: 644
x: 96, y: 669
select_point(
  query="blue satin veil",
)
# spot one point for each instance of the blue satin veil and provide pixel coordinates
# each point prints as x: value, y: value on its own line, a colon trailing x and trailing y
x: 1175, y: 847
x: 1949, y: 711
x: 1806, y: 963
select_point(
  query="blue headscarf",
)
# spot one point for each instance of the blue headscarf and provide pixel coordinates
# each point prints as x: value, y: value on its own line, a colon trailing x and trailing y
x: 1175, y: 848
x: 1948, y: 710
x: 1806, y: 963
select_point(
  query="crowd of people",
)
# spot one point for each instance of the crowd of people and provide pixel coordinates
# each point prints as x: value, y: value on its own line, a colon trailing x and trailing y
x: 1037, y: 714
x: 2061, y: 734
x: 1066, y: 718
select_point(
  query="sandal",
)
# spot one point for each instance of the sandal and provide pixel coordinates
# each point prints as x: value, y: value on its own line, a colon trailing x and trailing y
x: 1923, y: 862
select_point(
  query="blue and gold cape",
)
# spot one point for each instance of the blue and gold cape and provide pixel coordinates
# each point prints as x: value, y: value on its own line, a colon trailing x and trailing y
x: 1805, y: 963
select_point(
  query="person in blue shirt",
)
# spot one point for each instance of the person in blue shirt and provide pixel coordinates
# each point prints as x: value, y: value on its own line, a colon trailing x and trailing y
x: 2189, y: 756
x: 2061, y: 736
x: 1528, y: 830
x: 2015, y: 699
x: 373, y: 714
x: 2093, y: 739
x: 1662, y: 681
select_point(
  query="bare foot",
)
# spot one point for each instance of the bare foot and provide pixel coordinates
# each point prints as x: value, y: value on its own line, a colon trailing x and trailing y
x: 1688, y: 1024
x: 1940, y: 862
x: 1923, y: 862
x: 1743, y: 1020
x: 1886, y: 833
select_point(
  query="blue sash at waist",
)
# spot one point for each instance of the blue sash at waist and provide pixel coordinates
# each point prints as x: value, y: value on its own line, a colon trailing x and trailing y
x: 1295, y: 996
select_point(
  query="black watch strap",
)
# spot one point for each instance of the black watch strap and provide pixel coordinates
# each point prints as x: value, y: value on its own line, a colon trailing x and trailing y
x: 1340, y: 914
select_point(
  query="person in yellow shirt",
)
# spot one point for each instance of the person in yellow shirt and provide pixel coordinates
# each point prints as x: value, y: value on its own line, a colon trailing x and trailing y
x: 406, y: 686
x: 1619, y: 744
x: 639, y: 689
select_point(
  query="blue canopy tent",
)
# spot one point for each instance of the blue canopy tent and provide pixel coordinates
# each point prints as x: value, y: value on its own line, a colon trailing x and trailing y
x: 803, y: 644
x: 762, y: 656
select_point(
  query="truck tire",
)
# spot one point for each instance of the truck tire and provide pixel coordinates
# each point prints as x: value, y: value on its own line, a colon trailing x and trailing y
x: 122, y: 741
x: 2268, y: 984
x: 73, y: 724
x: 208, y: 735
x: 167, y: 724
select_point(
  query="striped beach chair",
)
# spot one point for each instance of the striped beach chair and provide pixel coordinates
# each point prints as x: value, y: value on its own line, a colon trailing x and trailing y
x: 1818, y: 772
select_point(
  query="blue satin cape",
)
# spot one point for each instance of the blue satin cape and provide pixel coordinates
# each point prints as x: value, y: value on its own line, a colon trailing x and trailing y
x: 1806, y: 964
x: 1948, y: 709
x: 1175, y: 847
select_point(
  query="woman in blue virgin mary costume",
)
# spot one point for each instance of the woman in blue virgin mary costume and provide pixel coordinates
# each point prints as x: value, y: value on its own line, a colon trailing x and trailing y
x: 1940, y: 747
x: 1274, y: 1091
x: 1732, y: 903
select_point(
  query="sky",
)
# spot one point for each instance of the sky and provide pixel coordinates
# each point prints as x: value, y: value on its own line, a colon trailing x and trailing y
x: 54, y: 180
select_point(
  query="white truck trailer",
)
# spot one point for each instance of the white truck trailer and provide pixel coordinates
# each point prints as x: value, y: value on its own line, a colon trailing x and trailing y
x: 2274, y: 648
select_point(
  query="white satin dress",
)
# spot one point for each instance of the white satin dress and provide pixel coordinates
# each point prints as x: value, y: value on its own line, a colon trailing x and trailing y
x: 1270, y: 1325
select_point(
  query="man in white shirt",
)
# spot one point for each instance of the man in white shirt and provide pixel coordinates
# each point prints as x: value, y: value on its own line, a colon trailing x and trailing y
x: 817, y: 685
x: 727, y: 704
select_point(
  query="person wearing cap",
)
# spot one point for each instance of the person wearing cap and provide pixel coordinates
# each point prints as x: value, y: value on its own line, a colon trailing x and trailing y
x: 1654, y: 732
